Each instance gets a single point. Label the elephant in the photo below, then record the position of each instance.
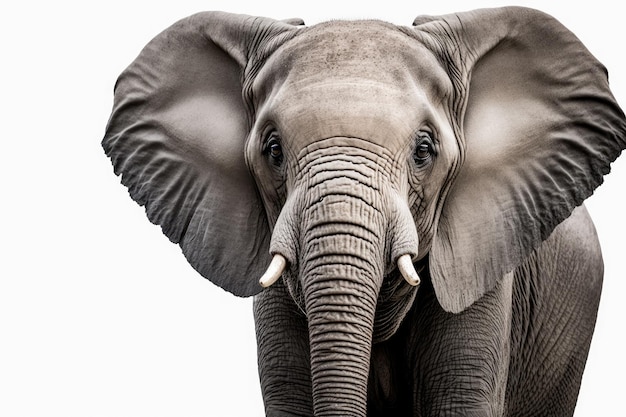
(405, 203)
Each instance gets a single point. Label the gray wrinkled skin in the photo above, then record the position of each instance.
(467, 141)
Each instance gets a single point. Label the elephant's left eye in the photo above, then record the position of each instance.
(274, 149)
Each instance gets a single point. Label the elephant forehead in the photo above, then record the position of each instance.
(366, 79)
(367, 49)
(350, 108)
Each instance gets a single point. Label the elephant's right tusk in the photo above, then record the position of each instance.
(274, 271)
(405, 265)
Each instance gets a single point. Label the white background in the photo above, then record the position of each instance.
(100, 315)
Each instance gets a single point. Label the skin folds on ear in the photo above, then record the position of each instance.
(177, 135)
(540, 130)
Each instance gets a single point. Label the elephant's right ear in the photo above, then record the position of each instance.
(537, 128)
(177, 134)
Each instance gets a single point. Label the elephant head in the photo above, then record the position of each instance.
(351, 152)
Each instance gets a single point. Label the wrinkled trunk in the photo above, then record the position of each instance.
(340, 331)
(340, 292)
(346, 224)
(341, 270)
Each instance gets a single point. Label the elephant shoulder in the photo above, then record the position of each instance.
(576, 239)
(555, 300)
(569, 260)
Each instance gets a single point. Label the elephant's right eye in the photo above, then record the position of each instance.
(274, 150)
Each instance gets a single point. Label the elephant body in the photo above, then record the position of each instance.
(416, 191)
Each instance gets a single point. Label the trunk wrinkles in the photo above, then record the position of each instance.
(341, 207)
(341, 270)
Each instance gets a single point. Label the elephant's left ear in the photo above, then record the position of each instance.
(538, 129)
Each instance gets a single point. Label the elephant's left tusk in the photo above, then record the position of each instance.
(405, 265)
(274, 271)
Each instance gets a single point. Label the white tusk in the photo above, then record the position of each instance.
(405, 265)
(274, 271)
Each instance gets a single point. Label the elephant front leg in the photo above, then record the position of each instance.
(283, 353)
(462, 360)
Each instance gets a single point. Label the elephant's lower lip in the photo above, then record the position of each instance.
(394, 301)
(394, 287)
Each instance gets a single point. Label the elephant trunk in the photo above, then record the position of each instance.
(349, 226)
(341, 273)
(340, 333)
